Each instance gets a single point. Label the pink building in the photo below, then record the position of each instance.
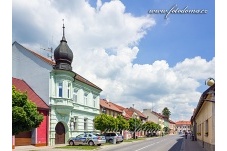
(38, 136)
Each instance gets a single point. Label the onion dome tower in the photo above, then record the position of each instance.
(63, 55)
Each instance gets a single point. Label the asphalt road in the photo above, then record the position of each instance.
(166, 143)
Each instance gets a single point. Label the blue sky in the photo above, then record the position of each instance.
(179, 36)
(135, 57)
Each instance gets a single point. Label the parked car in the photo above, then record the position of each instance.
(151, 134)
(112, 135)
(87, 139)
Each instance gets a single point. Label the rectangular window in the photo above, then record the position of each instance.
(60, 89)
(68, 90)
(85, 100)
(94, 103)
(75, 96)
(75, 123)
(206, 128)
(93, 125)
(85, 124)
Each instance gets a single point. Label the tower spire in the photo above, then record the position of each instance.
(63, 37)
(63, 55)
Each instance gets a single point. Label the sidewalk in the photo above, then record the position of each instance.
(189, 145)
(33, 148)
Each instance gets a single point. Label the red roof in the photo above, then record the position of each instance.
(109, 105)
(172, 122)
(22, 86)
(125, 110)
(158, 114)
(183, 123)
(137, 112)
(78, 77)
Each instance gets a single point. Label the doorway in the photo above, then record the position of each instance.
(59, 133)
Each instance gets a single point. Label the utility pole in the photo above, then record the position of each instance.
(135, 124)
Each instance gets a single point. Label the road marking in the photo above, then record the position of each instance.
(145, 147)
(148, 145)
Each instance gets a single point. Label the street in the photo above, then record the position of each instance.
(166, 143)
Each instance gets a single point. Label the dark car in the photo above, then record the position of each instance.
(151, 134)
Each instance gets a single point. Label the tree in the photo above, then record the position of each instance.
(166, 129)
(104, 123)
(122, 123)
(135, 125)
(166, 112)
(151, 127)
(101, 122)
(25, 115)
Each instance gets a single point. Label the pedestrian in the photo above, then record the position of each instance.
(162, 134)
(186, 134)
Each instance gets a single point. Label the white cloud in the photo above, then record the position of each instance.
(105, 41)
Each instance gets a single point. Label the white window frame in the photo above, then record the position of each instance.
(85, 124)
(94, 102)
(69, 90)
(75, 123)
(75, 95)
(85, 99)
(60, 89)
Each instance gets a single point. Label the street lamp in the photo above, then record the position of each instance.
(135, 124)
(210, 81)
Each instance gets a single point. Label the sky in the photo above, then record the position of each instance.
(151, 60)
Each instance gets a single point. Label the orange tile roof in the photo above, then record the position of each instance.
(109, 105)
(126, 116)
(22, 86)
(129, 112)
(119, 107)
(183, 123)
(78, 77)
(137, 112)
(172, 122)
(158, 114)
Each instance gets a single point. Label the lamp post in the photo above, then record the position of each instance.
(135, 125)
(210, 81)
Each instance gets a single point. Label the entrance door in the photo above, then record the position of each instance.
(59, 133)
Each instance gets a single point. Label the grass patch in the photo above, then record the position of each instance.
(132, 140)
(82, 147)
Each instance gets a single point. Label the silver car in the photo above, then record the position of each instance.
(110, 136)
(87, 139)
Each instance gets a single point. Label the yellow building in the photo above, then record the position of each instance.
(203, 120)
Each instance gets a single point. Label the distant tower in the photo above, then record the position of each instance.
(63, 55)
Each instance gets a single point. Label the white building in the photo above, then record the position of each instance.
(73, 100)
